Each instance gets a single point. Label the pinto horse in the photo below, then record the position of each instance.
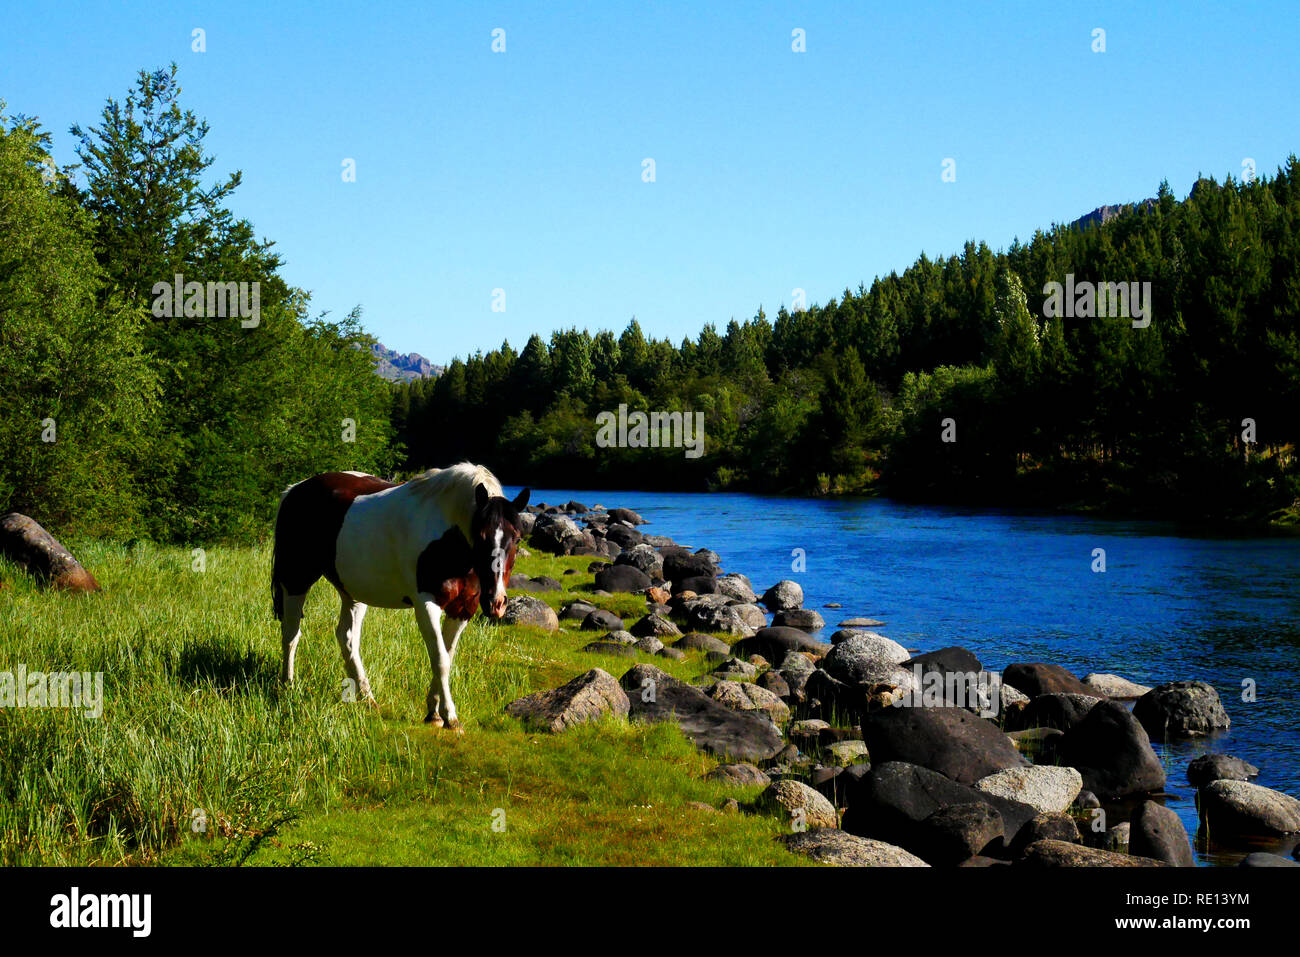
(444, 541)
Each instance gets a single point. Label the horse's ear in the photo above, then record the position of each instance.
(520, 501)
(480, 496)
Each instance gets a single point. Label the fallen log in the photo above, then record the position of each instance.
(24, 541)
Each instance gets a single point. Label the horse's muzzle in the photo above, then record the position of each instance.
(497, 607)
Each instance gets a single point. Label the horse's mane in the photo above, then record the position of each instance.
(453, 488)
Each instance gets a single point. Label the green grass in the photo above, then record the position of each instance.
(196, 730)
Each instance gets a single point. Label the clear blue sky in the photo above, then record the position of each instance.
(774, 169)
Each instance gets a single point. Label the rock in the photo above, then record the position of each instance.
(1264, 859)
(946, 661)
(622, 637)
(680, 564)
(623, 536)
(808, 726)
(559, 535)
(796, 663)
(1155, 831)
(831, 846)
(585, 698)
(737, 586)
(24, 542)
(1087, 800)
(844, 753)
(771, 680)
(958, 831)
(752, 615)
(1035, 678)
(1239, 808)
(718, 618)
(650, 645)
(952, 741)
(1047, 826)
(1113, 686)
(673, 653)
(643, 557)
(654, 626)
(578, 610)
(868, 659)
(1219, 767)
(773, 643)
(622, 578)
(860, 622)
(979, 860)
(657, 696)
(602, 620)
(805, 619)
(1064, 854)
(1045, 788)
(527, 610)
(1035, 741)
(1181, 709)
(700, 585)
(742, 774)
(1059, 711)
(1112, 752)
(658, 596)
(783, 596)
(735, 668)
(893, 799)
(625, 515)
(614, 648)
(698, 642)
(802, 806)
(743, 696)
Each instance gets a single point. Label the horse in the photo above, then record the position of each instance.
(444, 541)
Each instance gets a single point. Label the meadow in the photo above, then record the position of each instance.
(201, 757)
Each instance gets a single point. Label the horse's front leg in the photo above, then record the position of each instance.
(441, 710)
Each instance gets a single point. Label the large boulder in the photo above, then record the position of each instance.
(622, 578)
(747, 696)
(1113, 686)
(1037, 677)
(783, 596)
(1112, 752)
(1059, 711)
(737, 586)
(25, 542)
(805, 619)
(653, 626)
(585, 698)
(644, 557)
(1181, 709)
(951, 741)
(1219, 767)
(601, 620)
(802, 806)
(865, 659)
(656, 696)
(893, 799)
(773, 643)
(527, 610)
(623, 536)
(960, 831)
(722, 619)
(698, 642)
(559, 535)
(680, 564)
(1043, 787)
(625, 515)
(1155, 831)
(1239, 808)
(841, 849)
(741, 774)
(1065, 854)
(946, 661)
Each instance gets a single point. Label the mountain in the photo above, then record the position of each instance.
(1104, 214)
(399, 367)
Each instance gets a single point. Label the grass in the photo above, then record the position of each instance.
(201, 758)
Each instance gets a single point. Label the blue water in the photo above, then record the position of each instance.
(1172, 603)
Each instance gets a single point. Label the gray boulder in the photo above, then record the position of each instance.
(1181, 709)
(527, 610)
(586, 698)
(783, 596)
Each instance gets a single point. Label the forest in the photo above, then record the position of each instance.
(965, 379)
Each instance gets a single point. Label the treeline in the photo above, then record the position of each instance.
(123, 415)
(947, 382)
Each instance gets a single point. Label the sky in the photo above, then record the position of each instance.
(774, 170)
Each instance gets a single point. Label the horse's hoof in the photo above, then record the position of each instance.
(370, 702)
(433, 719)
(455, 725)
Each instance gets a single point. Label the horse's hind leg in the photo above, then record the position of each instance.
(290, 630)
(348, 633)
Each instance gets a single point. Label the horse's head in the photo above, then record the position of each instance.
(495, 533)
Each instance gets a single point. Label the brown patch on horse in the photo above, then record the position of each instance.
(307, 530)
(445, 570)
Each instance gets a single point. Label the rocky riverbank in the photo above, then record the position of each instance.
(876, 754)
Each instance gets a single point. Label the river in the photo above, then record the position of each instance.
(1173, 603)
